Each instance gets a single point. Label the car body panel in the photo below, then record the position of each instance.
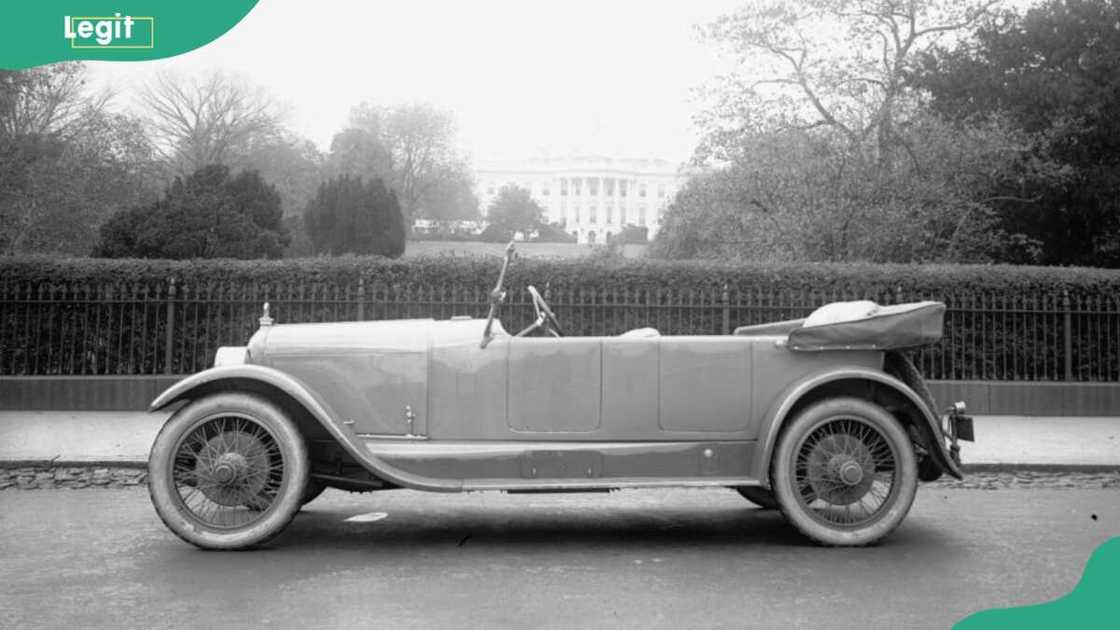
(269, 380)
(782, 404)
(469, 386)
(631, 383)
(371, 374)
(781, 370)
(705, 384)
(532, 464)
(555, 385)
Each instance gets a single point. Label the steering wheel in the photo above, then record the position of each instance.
(544, 314)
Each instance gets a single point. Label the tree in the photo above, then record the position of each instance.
(834, 64)
(513, 210)
(209, 214)
(804, 197)
(451, 196)
(212, 120)
(816, 148)
(635, 234)
(554, 233)
(412, 148)
(359, 152)
(1053, 72)
(293, 164)
(352, 216)
(49, 100)
(66, 161)
(217, 119)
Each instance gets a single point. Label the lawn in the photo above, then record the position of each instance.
(533, 250)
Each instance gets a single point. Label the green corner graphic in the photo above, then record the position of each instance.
(116, 30)
(1093, 603)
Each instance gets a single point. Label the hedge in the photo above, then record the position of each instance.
(602, 271)
(97, 316)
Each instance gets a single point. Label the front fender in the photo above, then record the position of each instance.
(229, 377)
(779, 411)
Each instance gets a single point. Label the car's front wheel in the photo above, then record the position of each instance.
(844, 472)
(228, 471)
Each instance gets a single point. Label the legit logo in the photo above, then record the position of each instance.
(110, 32)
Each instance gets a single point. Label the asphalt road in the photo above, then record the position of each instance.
(635, 559)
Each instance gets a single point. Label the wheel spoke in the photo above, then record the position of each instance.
(828, 488)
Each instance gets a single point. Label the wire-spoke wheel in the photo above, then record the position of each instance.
(853, 469)
(228, 471)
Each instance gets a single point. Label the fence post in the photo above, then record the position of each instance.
(725, 300)
(1067, 330)
(170, 331)
(361, 299)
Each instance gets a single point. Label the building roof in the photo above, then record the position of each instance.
(581, 163)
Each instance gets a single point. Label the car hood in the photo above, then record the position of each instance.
(402, 335)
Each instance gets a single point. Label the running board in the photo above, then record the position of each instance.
(568, 466)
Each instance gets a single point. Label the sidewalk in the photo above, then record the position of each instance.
(1060, 443)
(124, 438)
(78, 437)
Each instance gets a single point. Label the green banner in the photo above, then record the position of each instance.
(45, 31)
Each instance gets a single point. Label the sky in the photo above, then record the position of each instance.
(524, 78)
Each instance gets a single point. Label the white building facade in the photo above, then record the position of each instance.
(592, 198)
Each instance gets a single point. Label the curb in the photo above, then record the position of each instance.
(1000, 467)
(52, 477)
(70, 463)
(1041, 468)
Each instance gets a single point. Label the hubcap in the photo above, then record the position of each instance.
(850, 472)
(230, 469)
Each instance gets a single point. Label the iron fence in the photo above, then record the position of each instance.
(174, 327)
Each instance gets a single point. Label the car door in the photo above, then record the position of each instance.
(555, 385)
(705, 384)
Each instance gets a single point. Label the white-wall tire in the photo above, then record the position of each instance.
(840, 453)
(228, 471)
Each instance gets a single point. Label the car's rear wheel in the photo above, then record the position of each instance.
(759, 496)
(228, 471)
(844, 472)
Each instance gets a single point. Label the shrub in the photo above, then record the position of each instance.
(349, 216)
(632, 234)
(495, 234)
(551, 233)
(210, 214)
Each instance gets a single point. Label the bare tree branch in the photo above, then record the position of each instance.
(210, 121)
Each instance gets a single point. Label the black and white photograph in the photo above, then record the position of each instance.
(531, 314)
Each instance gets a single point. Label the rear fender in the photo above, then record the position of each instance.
(786, 405)
(274, 383)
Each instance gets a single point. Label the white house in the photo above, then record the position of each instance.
(592, 197)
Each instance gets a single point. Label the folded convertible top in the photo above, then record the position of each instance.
(893, 327)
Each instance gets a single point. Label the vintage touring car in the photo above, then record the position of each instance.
(824, 418)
